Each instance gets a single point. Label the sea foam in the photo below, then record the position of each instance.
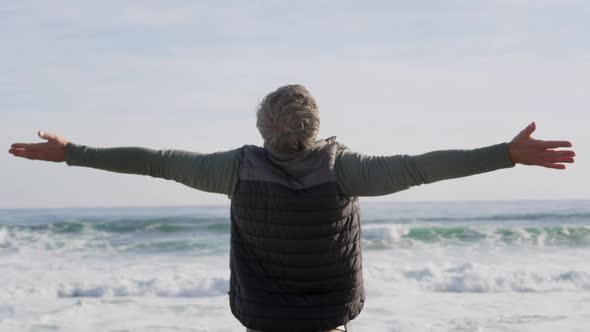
(479, 278)
(150, 287)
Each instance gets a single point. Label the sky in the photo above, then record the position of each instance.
(390, 77)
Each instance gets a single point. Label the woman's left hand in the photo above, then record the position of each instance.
(529, 151)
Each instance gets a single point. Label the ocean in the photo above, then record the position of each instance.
(428, 266)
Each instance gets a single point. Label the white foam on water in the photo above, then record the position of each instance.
(77, 282)
(477, 278)
(171, 287)
(3, 237)
(384, 235)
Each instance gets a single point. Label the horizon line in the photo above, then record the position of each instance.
(228, 203)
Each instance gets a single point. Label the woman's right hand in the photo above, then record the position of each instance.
(52, 150)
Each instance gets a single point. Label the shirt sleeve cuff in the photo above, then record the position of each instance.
(499, 156)
(73, 154)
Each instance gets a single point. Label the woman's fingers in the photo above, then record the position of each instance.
(554, 159)
(47, 155)
(564, 153)
(23, 145)
(568, 160)
(555, 144)
(33, 155)
(47, 136)
(52, 138)
(551, 154)
(33, 146)
(527, 131)
(553, 165)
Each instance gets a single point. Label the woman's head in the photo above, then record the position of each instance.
(288, 119)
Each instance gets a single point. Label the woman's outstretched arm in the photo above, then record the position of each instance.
(362, 175)
(213, 172)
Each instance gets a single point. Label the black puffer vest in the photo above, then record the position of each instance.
(295, 255)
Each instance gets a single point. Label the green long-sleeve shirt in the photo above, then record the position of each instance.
(357, 174)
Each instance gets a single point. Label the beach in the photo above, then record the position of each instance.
(428, 266)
